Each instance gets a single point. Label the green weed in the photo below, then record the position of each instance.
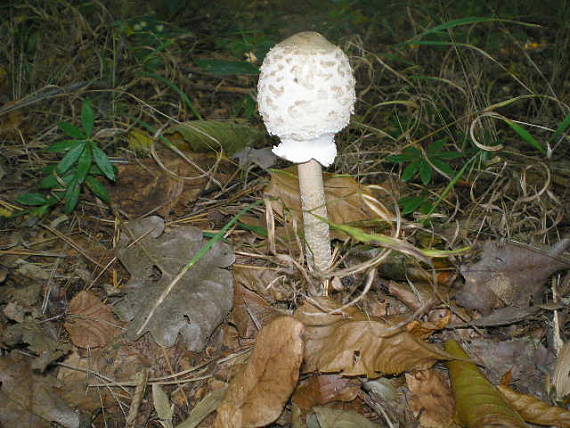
(83, 162)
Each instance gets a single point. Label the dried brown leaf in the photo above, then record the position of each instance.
(431, 399)
(346, 198)
(424, 329)
(90, 323)
(323, 389)
(359, 346)
(29, 399)
(509, 275)
(534, 410)
(251, 312)
(561, 375)
(257, 395)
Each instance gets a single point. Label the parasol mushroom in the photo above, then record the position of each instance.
(305, 96)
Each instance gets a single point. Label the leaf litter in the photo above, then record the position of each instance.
(238, 344)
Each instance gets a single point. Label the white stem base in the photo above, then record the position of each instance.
(317, 235)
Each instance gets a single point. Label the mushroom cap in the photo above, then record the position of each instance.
(305, 96)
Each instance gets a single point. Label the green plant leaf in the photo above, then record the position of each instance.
(426, 172)
(221, 67)
(63, 146)
(72, 196)
(410, 171)
(97, 188)
(525, 135)
(561, 128)
(447, 155)
(103, 162)
(444, 166)
(436, 147)
(70, 158)
(83, 164)
(87, 117)
(411, 204)
(33, 199)
(72, 130)
(51, 181)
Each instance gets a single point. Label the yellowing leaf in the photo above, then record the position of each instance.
(534, 410)
(139, 140)
(257, 395)
(478, 402)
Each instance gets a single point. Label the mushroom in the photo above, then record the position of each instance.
(305, 96)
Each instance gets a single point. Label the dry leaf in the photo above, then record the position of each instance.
(29, 399)
(195, 305)
(536, 411)
(89, 322)
(147, 187)
(335, 418)
(359, 346)
(424, 329)
(257, 395)
(561, 375)
(266, 282)
(509, 275)
(431, 399)
(346, 198)
(323, 389)
(478, 402)
(251, 312)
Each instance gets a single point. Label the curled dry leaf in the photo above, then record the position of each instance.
(477, 401)
(431, 399)
(89, 322)
(322, 389)
(423, 330)
(257, 395)
(356, 345)
(536, 411)
(346, 198)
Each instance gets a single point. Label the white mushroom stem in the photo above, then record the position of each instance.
(313, 202)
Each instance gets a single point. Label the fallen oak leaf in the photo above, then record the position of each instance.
(257, 395)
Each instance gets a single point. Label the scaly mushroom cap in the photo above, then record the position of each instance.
(305, 96)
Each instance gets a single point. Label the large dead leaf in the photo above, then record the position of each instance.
(509, 275)
(149, 187)
(257, 395)
(346, 198)
(356, 345)
(89, 322)
(478, 402)
(193, 306)
(431, 399)
(536, 411)
(29, 399)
